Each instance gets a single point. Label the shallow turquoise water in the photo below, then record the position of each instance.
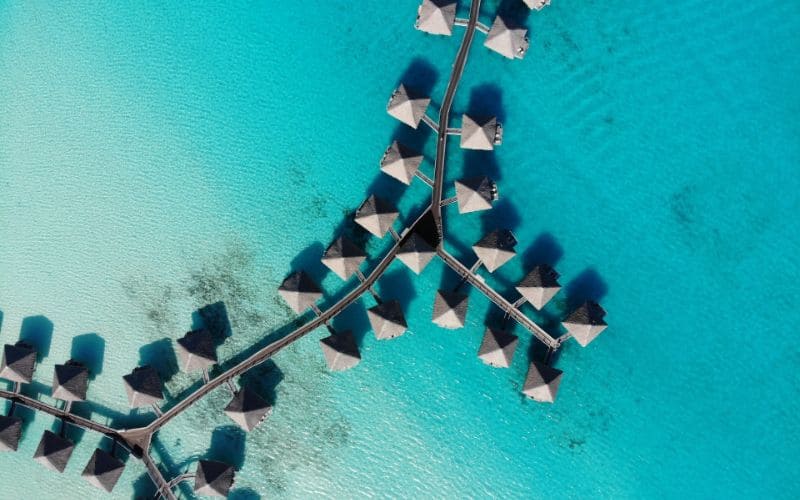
(154, 159)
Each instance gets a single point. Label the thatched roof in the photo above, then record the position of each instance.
(536, 4)
(401, 162)
(10, 433)
(415, 253)
(376, 215)
(408, 105)
(103, 470)
(299, 291)
(214, 479)
(340, 351)
(343, 257)
(507, 38)
(450, 309)
(54, 451)
(436, 17)
(541, 383)
(143, 386)
(70, 381)
(18, 363)
(495, 249)
(387, 320)
(196, 350)
(475, 193)
(247, 409)
(497, 348)
(586, 322)
(539, 285)
(479, 132)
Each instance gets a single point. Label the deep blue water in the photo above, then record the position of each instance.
(156, 158)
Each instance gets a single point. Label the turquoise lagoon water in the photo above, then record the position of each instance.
(158, 157)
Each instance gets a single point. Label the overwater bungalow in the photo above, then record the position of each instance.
(401, 162)
(450, 309)
(299, 291)
(416, 253)
(340, 351)
(586, 322)
(10, 433)
(343, 257)
(495, 249)
(213, 479)
(539, 285)
(475, 194)
(70, 381)
(480, 132)
(536, 4)
(497, 348)
(143, 386)
(248, 409)
(436, 17)
(541, 383)
(387, 320)
(376, 215)
(54, 451)
(407, 105)
(507, 38)
(103, 470)
(18, 363)
(196, 351)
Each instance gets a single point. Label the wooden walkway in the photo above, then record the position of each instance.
(444, 114)
(139, 440)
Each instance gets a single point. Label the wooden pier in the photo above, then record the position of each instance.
(139, 440)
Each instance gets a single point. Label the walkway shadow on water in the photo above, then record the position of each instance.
(38, 332)
(89, 349)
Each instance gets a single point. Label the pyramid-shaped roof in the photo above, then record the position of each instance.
(54, 451)
(196, 350)
(247, 409)
(478, 132)
(401, 162)
(415, 253)
(214, 479)
(586, 322)
(475, 193)
(407, 105)
(497, 348)
(343, 257)
(507, 38)
(539, 285)
(536, 4)
(340, 351)
(103, 470)
(495, 249)
(387, 320)
(18, 363)
(10, 433)
(376, 215)
(541, 383)
(299, 291)
(436, 16)
(143, 386)
(70, 381)
(450, 309)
